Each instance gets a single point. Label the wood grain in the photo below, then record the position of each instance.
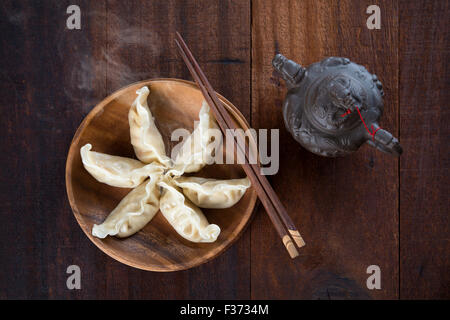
(59, 76)
(39, 57)
(52, 77)
(424, 168)
(326, 197)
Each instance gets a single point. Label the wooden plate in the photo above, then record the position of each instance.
(157, 247)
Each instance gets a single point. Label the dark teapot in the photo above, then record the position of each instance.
(333, 106)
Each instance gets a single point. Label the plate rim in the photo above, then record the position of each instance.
(239, 117)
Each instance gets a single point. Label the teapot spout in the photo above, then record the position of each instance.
(384, 141)
(290, 71)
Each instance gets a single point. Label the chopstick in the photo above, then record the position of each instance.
(266, 194)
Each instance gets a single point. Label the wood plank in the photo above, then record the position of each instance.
(424, 168)
(53, 78)
(345, 208)
(45, 99)
(207, 28)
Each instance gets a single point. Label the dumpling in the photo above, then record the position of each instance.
(116, 171)
(133, 212)
(194, 154)
(211, 193)
(187, 219)
(147, 142)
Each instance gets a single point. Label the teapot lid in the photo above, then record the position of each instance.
(334, 88)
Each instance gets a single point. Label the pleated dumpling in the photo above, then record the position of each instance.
(116, 171)
(194, 154)
(133, 212)
(147, 142)
(212, 193)
(187, 219)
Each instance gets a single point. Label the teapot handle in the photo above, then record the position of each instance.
(384, 141)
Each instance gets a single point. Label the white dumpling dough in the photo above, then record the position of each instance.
(147, 142)
(132, 213)
(194, 154)
(187, 219)
(116, 171)
(212, 193)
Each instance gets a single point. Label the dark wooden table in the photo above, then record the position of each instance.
(365, 209)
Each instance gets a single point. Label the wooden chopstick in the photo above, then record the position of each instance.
(265, 183)
(265, 192)
(270, 209)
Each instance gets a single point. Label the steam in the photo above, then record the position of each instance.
(92, 72)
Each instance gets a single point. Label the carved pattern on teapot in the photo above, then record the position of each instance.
(320, 106)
